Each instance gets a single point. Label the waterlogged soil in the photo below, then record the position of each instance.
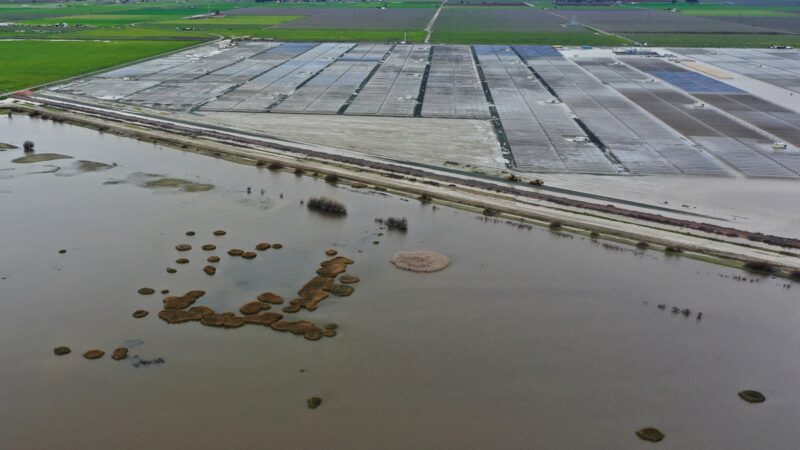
(176, 183)
(39, 157)
(92, 166)
(529, 339)
(161, 182)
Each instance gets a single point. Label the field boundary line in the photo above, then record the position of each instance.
(432, 23)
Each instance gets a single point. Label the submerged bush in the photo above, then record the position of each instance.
(555, 225)
(275, 166)
(795, 275)
(642, 245)
(394, 223)
(331, 178)
(673, 249)
(28, 146)
(328, 205)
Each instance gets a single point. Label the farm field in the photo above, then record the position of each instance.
(655, 21)
(138, 33)
(97, 20)
(583, 37)
(789, 24)
(468, 25)
(722, 10)
(29, 63)
(303, 35)
(179, 9)
(232, 20)
(715, 40)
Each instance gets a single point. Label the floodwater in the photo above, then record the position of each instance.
(529, 340)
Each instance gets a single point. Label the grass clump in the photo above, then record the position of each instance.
(331, 178)
(327, 205)
(674, 249)
(642, 245)
(555, 225)
(275, 166)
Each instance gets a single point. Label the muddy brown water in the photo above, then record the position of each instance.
(529, 340)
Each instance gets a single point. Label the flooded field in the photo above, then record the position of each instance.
(530, 338)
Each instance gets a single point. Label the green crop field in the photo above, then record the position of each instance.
(29, 63)
(137, 33)
(716, 40)
(96, 20)
(542, 38)
(231, 20)
(304, 35)
(721, 9)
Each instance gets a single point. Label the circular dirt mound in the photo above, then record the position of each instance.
(420, 261)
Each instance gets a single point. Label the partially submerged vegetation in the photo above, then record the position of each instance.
(92, 166)
(179, 184)
(394, 223)
(41, 157)
(327, 205)
(759, 267)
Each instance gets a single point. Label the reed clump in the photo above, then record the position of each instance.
(327, 205)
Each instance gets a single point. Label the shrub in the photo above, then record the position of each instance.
(673, 249)
(642, 245)
(261, 163)
(394, 223)
(328, 205)
(425, 198)
(490, 212)
(555, 225)
(28, 146)
(795, 275)
(275, 166)
(331, 178)
(298, 171)
(759, 267)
